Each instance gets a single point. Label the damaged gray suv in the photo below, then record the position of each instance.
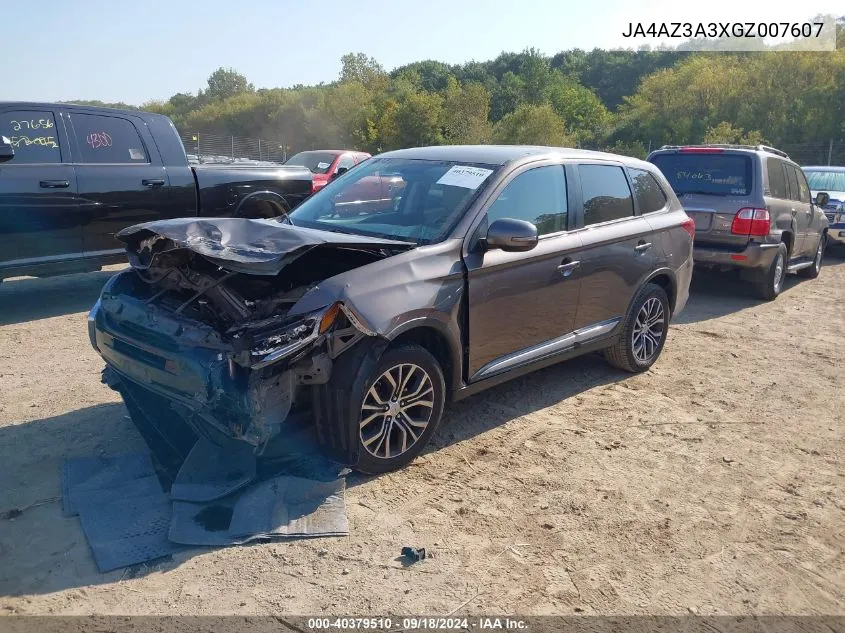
(419, 276)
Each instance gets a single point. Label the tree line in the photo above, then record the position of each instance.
(613, 100)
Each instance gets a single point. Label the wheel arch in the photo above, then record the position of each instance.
(434, 336)
(264, 198)
(666, 279)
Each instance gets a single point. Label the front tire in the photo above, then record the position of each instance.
(643, 333)
(399, 409)
(771, 283)
(813, 271)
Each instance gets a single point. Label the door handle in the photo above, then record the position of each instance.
(567, 267)
(642, 247)
(153, 182)
(54, 184)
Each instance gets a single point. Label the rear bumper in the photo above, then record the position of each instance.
(754, 255)
(683, 277)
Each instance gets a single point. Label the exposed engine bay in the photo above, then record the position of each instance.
(209, 325)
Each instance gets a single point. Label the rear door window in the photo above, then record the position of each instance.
(606, 193)
(33, 135)
(803, 187)
(792, 179)
(647, 191)
(708, 173)
(107, 139)
(777, 178)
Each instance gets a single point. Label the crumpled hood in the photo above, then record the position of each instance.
(257, 247)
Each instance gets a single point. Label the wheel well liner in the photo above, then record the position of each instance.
(665, 280)
(437, 343)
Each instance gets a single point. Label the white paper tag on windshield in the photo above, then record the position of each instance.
(322, 165)
(463, 176)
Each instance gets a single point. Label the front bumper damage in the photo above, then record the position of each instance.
(220, 388)
(222, 346)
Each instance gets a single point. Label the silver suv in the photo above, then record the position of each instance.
(752, 208)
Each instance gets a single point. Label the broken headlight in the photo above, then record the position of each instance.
(282, 343)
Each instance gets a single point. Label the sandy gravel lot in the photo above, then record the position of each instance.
(712, 483)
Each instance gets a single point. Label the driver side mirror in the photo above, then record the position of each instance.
(822, 198)
(511, 235)
(7, 151)
(340, 171)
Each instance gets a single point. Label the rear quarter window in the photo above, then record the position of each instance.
(647, 191)
(712, 174)
(777, 178)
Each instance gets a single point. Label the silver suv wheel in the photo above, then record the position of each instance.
(647, 332)
(396, 411)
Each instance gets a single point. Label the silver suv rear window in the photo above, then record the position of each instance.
(714, 174)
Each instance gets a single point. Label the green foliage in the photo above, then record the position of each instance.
(532, 125)
(226, 82)
(622, 101)
(724, 132)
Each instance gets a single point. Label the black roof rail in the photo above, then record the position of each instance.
(759, 148)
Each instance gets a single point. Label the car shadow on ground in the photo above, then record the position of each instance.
(41, 551)
(714, 295)
(30, 299)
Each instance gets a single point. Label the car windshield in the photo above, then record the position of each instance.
(402, 199)
(826, 180)
(713, 174)
(316, 162)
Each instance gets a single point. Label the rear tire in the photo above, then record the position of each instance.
(643, 333)
(770, 285)
(813, 271)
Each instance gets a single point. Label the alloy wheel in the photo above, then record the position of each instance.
(648, 330)
(396, 410)
(778, 280)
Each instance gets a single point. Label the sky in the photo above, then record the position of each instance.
(137, 50)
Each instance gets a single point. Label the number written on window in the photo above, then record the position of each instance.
(107, 139)
(33, 136)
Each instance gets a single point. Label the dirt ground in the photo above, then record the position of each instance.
(712, 484)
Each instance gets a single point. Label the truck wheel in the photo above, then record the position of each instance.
(643, 332)
(813, 271)
(769, 286)
(399, 409)
(262, 210)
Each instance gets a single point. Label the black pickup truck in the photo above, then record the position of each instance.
(73, 176)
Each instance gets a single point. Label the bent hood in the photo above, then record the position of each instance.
(256, 247)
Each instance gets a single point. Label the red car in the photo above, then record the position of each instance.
(324, 164)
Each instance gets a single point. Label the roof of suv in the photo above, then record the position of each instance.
(502, 154)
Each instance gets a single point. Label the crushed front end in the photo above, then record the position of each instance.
(223, 350)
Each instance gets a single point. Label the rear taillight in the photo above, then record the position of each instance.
(752, 222)
(688, 225)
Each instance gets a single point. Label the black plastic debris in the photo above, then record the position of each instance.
(413, 554)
